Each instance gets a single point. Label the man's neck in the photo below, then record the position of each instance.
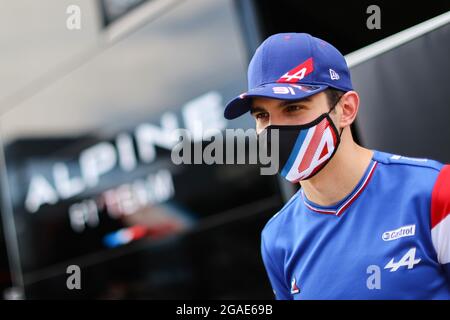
(340, 175)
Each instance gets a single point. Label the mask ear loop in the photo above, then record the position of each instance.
(332, 108)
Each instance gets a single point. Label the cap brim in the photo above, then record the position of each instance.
(283, 91)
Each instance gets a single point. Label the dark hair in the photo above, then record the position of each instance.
(333, 96)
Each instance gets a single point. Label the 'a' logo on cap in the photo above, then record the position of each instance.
(298, 73)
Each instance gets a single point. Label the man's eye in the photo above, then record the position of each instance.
(261, 115)
(294, 107)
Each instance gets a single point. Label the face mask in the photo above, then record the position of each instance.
(304, 149)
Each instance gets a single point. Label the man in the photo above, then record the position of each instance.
(365, 224)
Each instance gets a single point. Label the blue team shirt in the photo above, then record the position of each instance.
(388, 239)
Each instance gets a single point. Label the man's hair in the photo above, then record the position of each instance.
(333, 96)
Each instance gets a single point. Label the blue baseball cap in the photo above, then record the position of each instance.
(291, 66)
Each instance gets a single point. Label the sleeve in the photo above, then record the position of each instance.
(275, 275)
(440, 218)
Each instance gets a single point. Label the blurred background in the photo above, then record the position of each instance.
(86, 116)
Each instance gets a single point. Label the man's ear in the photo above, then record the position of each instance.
(349, 103)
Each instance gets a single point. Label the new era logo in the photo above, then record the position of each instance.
(334, 75)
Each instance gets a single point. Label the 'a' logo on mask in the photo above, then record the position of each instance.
(313, 148)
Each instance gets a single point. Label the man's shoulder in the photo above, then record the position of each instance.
(417, 176)
(282, 216)
(415, 164)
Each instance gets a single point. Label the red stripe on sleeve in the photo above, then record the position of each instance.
(440, 197)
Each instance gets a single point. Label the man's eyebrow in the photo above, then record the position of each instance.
(256, 109)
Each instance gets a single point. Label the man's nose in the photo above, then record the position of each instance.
(275, 119)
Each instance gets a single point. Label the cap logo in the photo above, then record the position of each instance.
(334, 75)
(298, 73)
(283, 90)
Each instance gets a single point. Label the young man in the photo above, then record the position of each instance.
(365, 224)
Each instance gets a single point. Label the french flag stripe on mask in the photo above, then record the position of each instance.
(312, 147)
(296, 151)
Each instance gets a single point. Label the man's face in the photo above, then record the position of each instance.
(267, 111)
